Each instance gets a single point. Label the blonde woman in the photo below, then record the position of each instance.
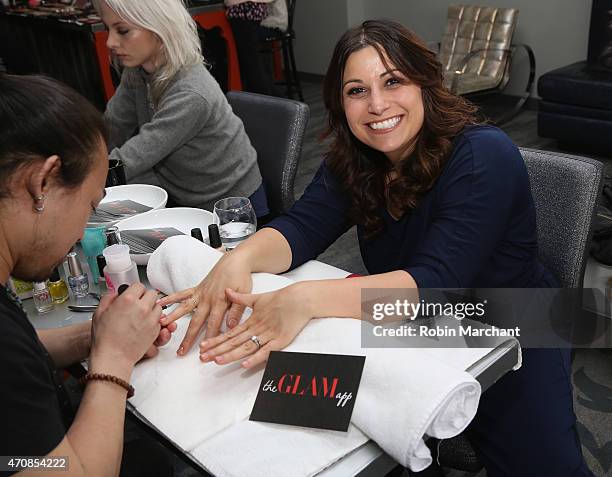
(169, 121)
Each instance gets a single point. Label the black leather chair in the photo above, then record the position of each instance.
(576, 105)
(276, 129)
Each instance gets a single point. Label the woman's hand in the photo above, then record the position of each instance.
(123, 330)
(208, 300)
(276, 320)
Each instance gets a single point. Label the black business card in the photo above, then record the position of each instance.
(309, 390)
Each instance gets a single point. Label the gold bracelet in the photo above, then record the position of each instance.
(109, 378)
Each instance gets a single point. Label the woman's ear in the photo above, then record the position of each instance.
(41, 176)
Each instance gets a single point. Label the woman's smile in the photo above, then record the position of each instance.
(385, 126)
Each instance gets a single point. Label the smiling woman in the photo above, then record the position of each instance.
(439, 201)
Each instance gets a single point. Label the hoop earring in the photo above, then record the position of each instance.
(39, 208)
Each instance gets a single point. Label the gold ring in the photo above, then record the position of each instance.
(195, 301)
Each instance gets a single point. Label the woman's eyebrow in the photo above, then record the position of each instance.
(388, 72)
(351, 81)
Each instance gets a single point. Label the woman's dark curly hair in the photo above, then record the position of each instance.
(361, 170)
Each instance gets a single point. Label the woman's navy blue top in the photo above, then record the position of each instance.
(476, 227)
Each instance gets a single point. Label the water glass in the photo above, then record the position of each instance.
(236, 219)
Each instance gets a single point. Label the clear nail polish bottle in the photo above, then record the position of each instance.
(78, 281)
(42, 298)
(113, 237)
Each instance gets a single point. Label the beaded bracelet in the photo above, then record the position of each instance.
(110, 378)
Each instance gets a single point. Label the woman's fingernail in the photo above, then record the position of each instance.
(245, 364)
(205, 357)
(203, 344)
(181, 350)
(219, 360)
(231, 323)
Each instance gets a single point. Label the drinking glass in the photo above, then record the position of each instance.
(236, 220)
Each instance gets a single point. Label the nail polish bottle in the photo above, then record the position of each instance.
(58, 288)
(120, 269)
(101, 279)
(113, 237)
(77, 279)
(214, 238)
(42, 298)
(197, 234)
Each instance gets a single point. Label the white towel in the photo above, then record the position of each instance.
(250, 448)
(405, 393)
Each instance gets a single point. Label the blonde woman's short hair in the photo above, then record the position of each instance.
(170, 21)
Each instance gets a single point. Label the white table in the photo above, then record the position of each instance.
(369, 459)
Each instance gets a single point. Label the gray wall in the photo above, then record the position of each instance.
(357, 11)
(557, 30)
(318, 24)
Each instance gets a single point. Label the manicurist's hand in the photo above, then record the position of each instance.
(165, 333)
(276, 320)
(208, 301)
(124, 328)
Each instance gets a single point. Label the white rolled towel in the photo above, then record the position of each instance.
(405, 394)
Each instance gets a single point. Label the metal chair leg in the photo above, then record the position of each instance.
(527, 93)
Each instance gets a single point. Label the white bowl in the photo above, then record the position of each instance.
(181, 218)
(145, 194)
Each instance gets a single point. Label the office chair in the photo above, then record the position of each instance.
(565, 191)
(276, 129)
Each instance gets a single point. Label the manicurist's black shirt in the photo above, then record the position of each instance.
(34, 407)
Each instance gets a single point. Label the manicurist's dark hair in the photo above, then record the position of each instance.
(41, 117)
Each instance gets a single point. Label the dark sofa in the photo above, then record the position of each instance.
(576, 104)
